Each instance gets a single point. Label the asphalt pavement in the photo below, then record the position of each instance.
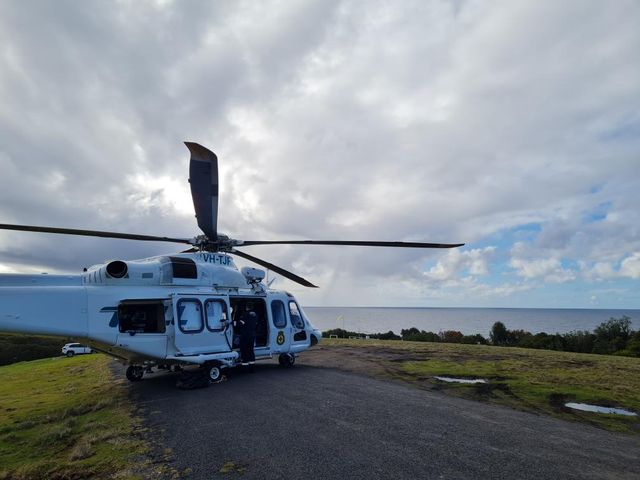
(309, 422)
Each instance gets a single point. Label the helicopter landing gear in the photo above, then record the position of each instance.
(134, 373)
(214, 372)
(286, 359)
(202, 377)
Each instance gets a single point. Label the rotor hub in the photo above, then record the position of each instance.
(223, 243)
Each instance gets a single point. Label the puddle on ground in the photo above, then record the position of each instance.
(460, 380)
(585, 407)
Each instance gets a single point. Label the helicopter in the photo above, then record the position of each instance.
(178, 311)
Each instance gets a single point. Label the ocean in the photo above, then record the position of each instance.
(467, 320)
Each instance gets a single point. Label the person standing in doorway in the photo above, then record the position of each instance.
(248, 320)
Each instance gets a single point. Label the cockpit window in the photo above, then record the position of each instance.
(277, 312)
(294, 313)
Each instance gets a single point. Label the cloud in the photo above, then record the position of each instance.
(549, 269)
(434, 121)
(628, 267)
(474, 262)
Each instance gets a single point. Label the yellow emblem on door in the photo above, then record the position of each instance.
(280, 338)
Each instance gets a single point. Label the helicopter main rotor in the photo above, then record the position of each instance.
(203, 180)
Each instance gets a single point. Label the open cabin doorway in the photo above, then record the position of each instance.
(258, 305)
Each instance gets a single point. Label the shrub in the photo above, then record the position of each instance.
(612, 335)
(451, 336)
(578, 341)
(474, 339)
(386, 336)
(409, 331)
(633, 346)
(341, 333)
(542, 341)
(498, 334)
(420, 336)
(516, 337)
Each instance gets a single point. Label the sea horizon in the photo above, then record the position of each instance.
(480, 308)
(468, 320)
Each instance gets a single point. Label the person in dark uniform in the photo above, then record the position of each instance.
(248, 322)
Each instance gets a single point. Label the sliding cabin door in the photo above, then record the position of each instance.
(201, 324)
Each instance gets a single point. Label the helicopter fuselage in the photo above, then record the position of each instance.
(178, 309)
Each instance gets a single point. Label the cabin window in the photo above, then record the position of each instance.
(183, 267)
(216, 313)
(294, 313)
(277, 312)
(142, 316)
(190, 316)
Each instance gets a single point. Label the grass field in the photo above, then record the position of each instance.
(65, 418)
(539, 381)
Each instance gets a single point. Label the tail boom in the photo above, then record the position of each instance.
(44, 310)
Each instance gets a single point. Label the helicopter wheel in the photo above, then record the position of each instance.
(214, 372)
(134, 373)
(286, 359)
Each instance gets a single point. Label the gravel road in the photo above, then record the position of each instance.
(311, 422)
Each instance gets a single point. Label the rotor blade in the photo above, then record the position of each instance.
(203, 178)
(356, 243)
(92, 233)
(275, 268)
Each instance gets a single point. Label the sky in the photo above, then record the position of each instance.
(511, 126)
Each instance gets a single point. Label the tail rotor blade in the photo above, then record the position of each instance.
(285, 273)
(203, 179)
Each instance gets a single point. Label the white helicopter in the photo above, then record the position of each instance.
(171, 311)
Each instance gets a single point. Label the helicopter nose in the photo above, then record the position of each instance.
(316, 336)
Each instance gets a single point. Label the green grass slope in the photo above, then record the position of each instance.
(65, 418)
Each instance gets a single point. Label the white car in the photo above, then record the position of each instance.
(71, 349)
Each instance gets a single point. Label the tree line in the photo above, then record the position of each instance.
(21, 348)
(613, 336)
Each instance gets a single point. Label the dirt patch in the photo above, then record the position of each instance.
(356, 360)
(580, 364)
(377, 362)
(410, 358)
(386, 363)
(488, 390)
